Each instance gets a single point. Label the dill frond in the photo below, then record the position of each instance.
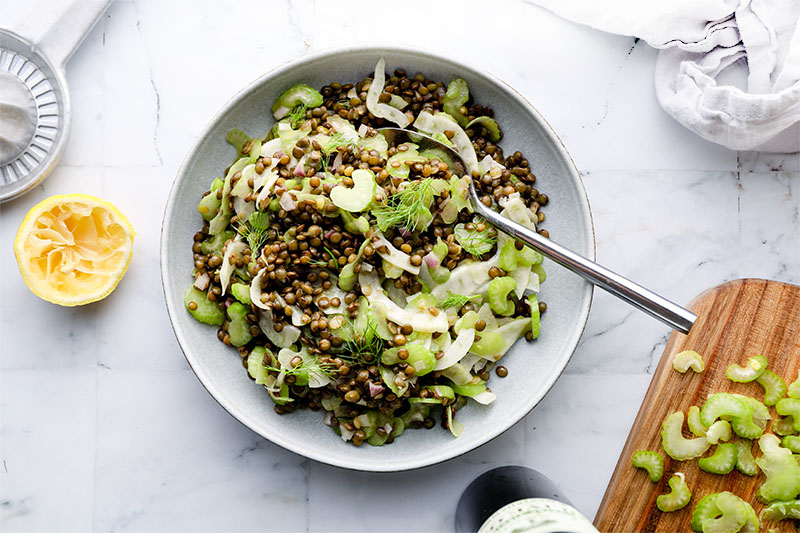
(336, 141)
(297, 115)
(409, 208)
(366, 347)
(255, 230)
(455, 300)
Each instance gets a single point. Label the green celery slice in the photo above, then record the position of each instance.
(207, 312)
(652, 462)
(706, 509)
(793, 391)
(774, 387)
(784, 426)
(790, 407)
(781, 511)
(734, 514)
(722, 404)
(456, 96)
(673, 442)
(694, 423)
(498, 291)
(791, 443)
(722, 461)
(745, 462)
(687, 359)
(753, 370)
(781, 470)
(719, 430)
(677, 498)
(534, 303)
(239, 328)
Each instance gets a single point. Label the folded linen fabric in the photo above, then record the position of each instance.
(729, 70)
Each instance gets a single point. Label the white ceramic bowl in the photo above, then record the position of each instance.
(533, 367)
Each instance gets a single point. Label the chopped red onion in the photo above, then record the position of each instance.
(375, 389)
(431, 260)
(202, 281)
(287, 201)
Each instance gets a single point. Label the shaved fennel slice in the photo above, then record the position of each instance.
(442, 122)
(395, 256)
(467, 278)
(282, 339)
(378, 109)
(485, 398)
(457, 350)
(255, 290)
(226, 270)
(522, 276)
(422, 321)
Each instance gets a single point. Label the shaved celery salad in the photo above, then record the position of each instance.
(351, 275)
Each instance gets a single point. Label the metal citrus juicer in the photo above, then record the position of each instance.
(35, 112)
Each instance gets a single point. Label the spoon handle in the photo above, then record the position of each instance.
(666, 311)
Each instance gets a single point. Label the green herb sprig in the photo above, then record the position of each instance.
(409, 208)
(255, 230)
(337, 140)
(298, 114)
(306, 367)
(366, 347)
(455, 300)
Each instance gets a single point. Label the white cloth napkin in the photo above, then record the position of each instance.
(729, 70)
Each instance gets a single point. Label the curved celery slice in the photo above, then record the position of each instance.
(673, 442)
(784, 426)
(300, 94)
(722, 404)
(722, 461)
(745, 462)
(498, 291)
(694, 423)
(706, 509)
(535, 317)
(751, 522)
(781, 469)
(456, 96)
(687, 359)
(255, 365)
(733, 514)
(753, 370)
(719, 430)
(760, 411)
(489, 124)
(774, 387)
(205, 310)
(239, 328)
(791, 443)
(652, 462)
(790, 407)
(677, 498)
(746, 426)
(781, 511)
(793, 391)
(357, 198)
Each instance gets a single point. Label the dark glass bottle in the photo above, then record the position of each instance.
(516, 498)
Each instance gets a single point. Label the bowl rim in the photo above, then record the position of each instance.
(173, 307)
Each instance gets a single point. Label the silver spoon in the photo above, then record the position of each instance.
(651, 303)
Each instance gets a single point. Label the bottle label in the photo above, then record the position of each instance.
(537, 515)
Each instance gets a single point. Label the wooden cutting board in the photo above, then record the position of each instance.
(735, 321)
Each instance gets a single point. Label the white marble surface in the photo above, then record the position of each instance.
(103, 426)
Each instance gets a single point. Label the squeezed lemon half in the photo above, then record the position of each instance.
(73, 249)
